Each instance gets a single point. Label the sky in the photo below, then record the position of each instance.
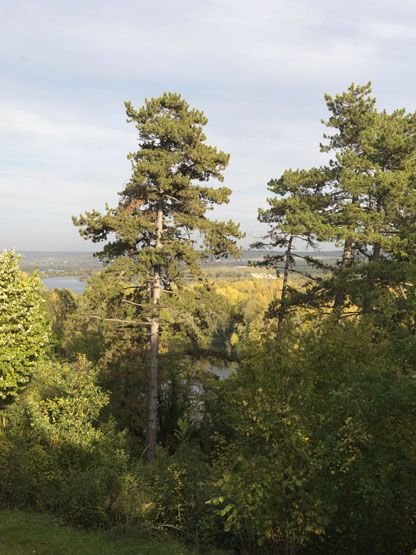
(258, 69)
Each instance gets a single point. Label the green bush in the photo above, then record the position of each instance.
(169, 497)
(24, 333)
(54, 456)
(323, 454)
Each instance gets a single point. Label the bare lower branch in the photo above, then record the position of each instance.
(119, 320)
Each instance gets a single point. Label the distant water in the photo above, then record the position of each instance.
(222, 370)
(67, 282)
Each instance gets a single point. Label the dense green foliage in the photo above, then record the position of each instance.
(363, 199)
(23, 329)
(285, 410)
(168, 174)
(324, 445)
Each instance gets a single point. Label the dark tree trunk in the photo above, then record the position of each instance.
(376, 252)
(345, 264)
(375, 256)
(283, 307)
(152, 411)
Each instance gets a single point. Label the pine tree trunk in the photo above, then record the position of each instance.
(282, 310)
(152, 414)
(345, 263)
(375, 256)
(376, 251)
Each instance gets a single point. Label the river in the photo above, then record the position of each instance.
(65, 282)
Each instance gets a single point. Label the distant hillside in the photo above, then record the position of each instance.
(60, 262)
(85, 263)
(257, 255)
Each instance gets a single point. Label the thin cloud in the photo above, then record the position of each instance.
(258, 70)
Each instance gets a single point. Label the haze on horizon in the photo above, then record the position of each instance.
(258, 71)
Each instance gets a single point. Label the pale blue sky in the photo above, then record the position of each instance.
(258, 70)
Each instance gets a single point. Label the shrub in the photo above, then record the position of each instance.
(24, 333)
(55, 456)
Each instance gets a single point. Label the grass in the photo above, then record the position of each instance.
(23, 533)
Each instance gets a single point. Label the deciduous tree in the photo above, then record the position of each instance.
(24, 332)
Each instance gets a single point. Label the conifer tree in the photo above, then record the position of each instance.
(161, 221)
(350, 114)
(361, 199)
(373, 163)
(295, 215)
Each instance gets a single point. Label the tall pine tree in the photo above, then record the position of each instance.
(161, 221)
(363, 199)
